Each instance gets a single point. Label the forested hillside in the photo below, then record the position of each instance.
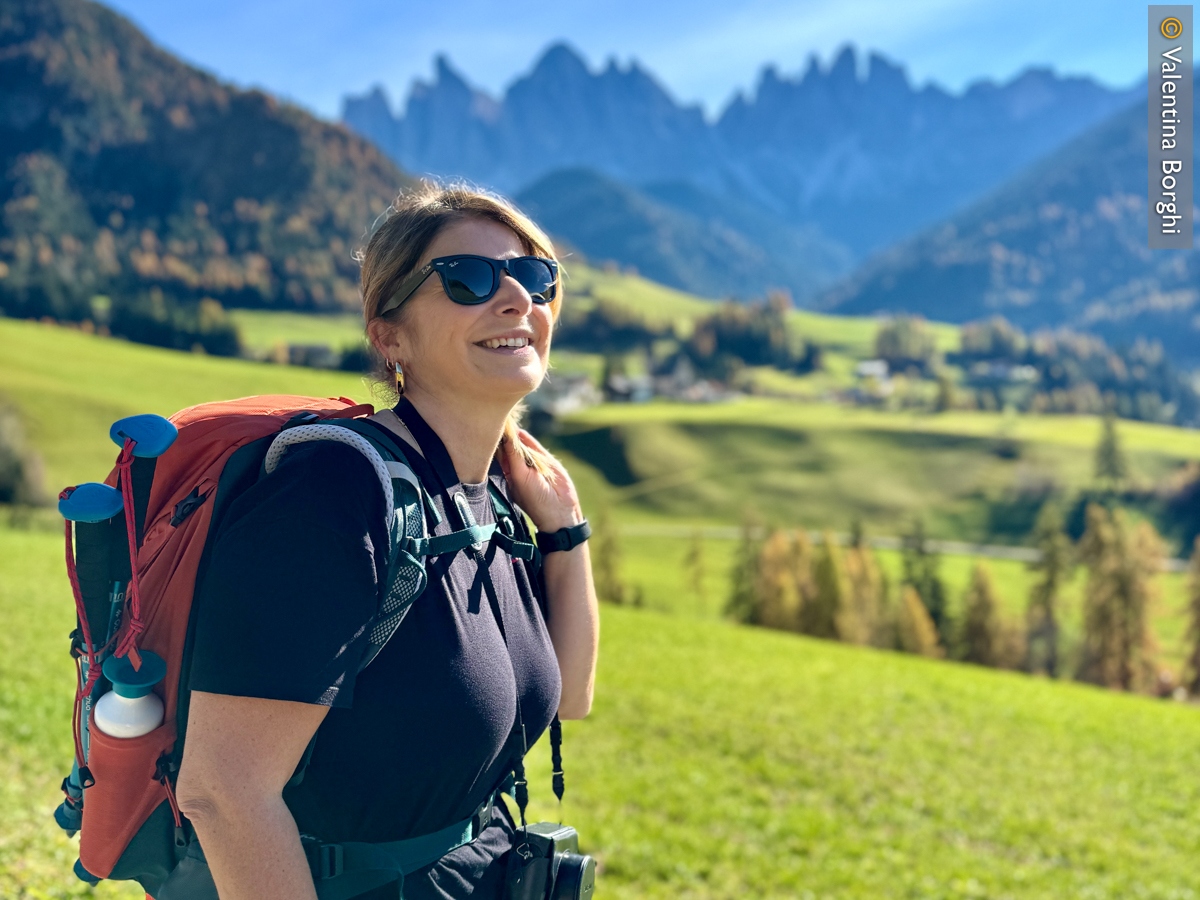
(1062, 244)
(681, 235)
(128, 174)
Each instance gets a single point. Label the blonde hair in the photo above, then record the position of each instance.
(412, 222)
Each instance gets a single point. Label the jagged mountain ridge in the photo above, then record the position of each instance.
(1064, 243)
(866, 161)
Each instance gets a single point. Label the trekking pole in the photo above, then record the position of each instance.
(88, 503)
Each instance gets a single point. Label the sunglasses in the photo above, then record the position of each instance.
(475, 279)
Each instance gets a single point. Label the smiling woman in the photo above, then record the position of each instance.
(498, 268)
(412, 752)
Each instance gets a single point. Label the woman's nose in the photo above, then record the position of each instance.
(511, 298)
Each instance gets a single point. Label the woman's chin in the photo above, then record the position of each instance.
(514, 381)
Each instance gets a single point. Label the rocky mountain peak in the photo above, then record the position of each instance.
(867, 160)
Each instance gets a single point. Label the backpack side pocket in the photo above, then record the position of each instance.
(125, 793)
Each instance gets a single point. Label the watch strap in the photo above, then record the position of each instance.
(564, 538)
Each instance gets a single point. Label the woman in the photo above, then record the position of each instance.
(425, 734)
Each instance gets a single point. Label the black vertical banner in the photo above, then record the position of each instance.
(1169, 120)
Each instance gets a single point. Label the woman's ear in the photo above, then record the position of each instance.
(383, 336)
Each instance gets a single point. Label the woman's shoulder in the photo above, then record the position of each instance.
(325, 484)
(329, 468)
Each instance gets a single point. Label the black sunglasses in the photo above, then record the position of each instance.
(475, 279)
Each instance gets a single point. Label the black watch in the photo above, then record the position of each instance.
(564, 538)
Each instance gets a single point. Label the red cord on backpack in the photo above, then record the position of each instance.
(82, 690)
(128, 643)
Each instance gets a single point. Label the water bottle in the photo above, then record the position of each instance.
(131, 708)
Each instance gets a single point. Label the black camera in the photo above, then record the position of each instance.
(546, 865)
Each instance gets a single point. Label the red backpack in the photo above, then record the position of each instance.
(137, 545)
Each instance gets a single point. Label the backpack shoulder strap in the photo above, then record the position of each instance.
(512, 532)
(404, 500)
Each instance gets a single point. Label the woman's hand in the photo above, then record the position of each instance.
(551, 502)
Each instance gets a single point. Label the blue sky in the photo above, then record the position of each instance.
(314, 51)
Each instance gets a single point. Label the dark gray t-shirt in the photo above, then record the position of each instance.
(421, 737)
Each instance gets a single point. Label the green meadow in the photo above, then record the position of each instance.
(728, 762)
(720, 761)
(263, 330)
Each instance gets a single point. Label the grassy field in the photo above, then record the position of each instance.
(720, 762)
(263, 330)
(974, 476)
(70, 387)
(726, 762)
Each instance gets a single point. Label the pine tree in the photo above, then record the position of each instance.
(606, 560)
(828, 613)
(1097, 551)
(921, 571)
(945, 394)
(742, 604)
(915, 628)
(980, 635)
(696, 569)
(1111, 465)
(1192, 672)
(1041, 615)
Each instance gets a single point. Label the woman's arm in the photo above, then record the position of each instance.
(239, 755)
(574, 625)
(574, 620)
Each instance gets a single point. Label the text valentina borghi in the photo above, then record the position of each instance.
(1167, 208)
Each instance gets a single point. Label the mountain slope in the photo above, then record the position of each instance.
(123, 170)
(1062, 244)
(681, 236)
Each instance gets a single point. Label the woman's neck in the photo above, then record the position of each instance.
(469, 431)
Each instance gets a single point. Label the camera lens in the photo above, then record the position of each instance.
(576, 877)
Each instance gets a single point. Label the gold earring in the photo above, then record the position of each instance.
(399, 377)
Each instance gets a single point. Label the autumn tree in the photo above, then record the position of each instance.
(803, 568)
(914, 627)
(864, 598)
(822, 617)
(777, 597)
(1122, 561)
(1054, 566)
(980, 630)
(868, 592)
